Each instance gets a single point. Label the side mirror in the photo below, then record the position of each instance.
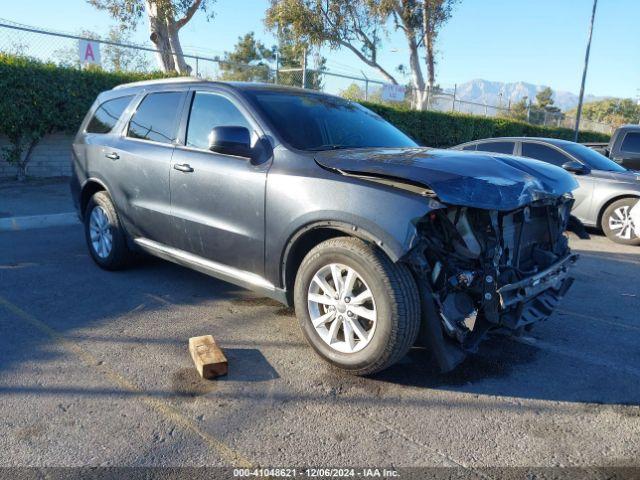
(231, 141)
(576, 167)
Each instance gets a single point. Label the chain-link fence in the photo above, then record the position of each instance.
(113, 54)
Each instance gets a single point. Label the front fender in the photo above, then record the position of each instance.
(383, 215)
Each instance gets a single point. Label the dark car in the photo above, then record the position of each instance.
(321, 204)
(623, 147)
(608, 192)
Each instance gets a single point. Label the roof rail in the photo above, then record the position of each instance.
(158, 81)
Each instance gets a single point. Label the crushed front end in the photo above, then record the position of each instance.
(487, 270)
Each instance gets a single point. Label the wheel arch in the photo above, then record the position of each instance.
(310, 235)
(90, 187)
(611, 200)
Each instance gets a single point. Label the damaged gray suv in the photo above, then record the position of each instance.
(319, 203)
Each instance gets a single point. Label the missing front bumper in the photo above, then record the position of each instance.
(555, 277)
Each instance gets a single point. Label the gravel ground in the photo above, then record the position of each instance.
(95, 371)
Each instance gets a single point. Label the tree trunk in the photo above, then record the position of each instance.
(417, 80)
(159, 35)
(419, 91)
(23, 161)
(428, 39)
(176, 48)
(431, 73)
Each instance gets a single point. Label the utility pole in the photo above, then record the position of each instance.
(584, 71)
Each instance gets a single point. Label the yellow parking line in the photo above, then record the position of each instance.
(166, 410)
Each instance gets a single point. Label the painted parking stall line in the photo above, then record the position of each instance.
(167, 411)
(12, 224)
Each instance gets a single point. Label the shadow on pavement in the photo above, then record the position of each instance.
(68, 292)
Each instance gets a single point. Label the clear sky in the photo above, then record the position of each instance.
(537, 41)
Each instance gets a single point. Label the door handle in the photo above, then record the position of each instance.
(183, 167)
(112, 155)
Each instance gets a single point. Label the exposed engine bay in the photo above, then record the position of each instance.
(490, 269)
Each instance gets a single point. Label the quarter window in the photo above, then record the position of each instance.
(210, 110)
(107, 115)
(544, 153)
(470, 147)
(496, 147)
(156, 118)
(631, 143)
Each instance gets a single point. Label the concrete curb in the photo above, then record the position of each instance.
(12, 224)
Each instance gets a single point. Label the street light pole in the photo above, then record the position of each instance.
(584, 71)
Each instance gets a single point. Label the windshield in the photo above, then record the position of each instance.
(593, 159)
(309, 121)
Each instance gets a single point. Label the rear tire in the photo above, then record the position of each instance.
(106, 239)
(616, 223)
(377, 313)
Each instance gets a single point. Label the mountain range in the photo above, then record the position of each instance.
(500, 93)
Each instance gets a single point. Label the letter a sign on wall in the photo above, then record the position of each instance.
(89, 52)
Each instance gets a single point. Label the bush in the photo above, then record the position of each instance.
(438, 129)
(39, 98)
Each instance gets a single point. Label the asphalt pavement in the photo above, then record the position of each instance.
(94, 370)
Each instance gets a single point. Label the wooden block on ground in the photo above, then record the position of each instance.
(209, 359)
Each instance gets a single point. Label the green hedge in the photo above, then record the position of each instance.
(438, 129)
(37, 98)
(60, 96)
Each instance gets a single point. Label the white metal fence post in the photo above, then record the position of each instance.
(304, 69)
(453, 103)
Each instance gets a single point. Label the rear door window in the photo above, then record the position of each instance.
(496, 147)
(631, 143)
(107, 115)
(544, 153)
(210, 110)
(156, 118)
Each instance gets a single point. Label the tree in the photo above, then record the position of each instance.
(614, 111)
(420, 21)
(435, 13)
(353, 92)
(123, 59)
(166, 18)
(292, 55)
(520, 110)
(249, 61)
(544, 98)
(352, 24)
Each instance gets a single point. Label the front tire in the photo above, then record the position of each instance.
(106, 239)
(617, 224)
(357, 309)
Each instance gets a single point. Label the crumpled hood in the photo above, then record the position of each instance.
(491, 182)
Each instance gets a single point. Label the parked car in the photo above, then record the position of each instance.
(321, 204)
(608, 192)
(623, 147)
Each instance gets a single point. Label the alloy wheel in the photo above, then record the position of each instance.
(100, 232)
(621, 223)
(342, 308)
